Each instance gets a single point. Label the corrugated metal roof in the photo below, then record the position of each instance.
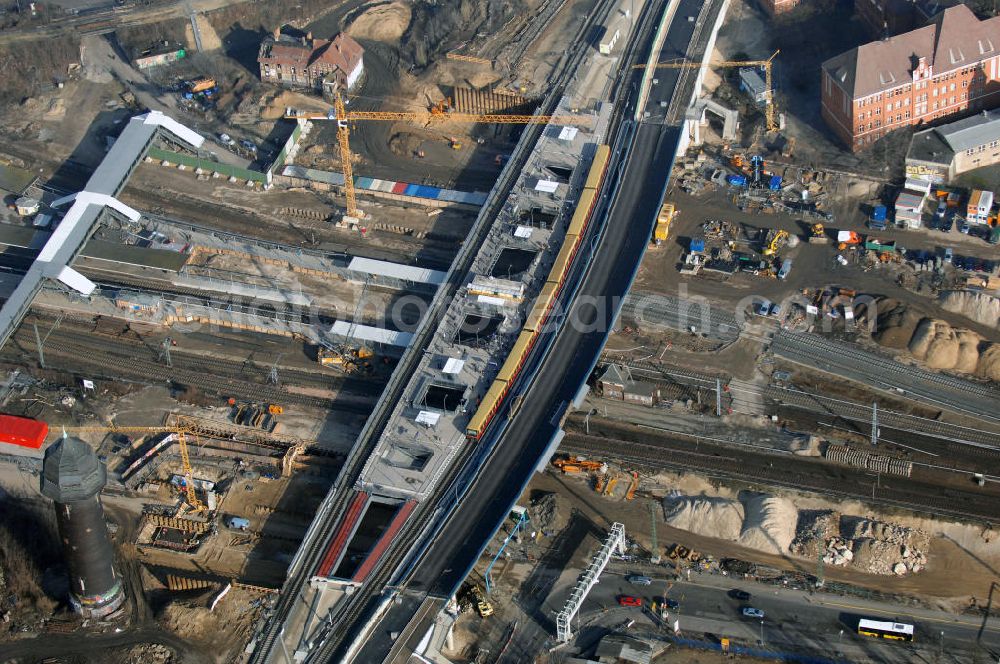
(972, 132)
(349, 330)
(409, 273)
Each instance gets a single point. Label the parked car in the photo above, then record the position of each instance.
(949, 253)
(751, 612)
(225, 139)
(639, 580)
(763, 308)
(775, 310)
(963, 227)
(741, 595)
(946, 225)
(629, 600)
(671, 604)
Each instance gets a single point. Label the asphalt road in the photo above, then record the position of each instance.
(794, 620)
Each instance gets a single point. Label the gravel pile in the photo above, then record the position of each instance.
(150, 653)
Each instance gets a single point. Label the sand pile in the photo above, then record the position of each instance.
(769, 523)
(383, 23)
(978, 306)
(989, 362)
(190, 622)
(941, 346)
(715, 517)
(895, 323)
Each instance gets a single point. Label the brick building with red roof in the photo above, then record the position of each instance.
(303, 62)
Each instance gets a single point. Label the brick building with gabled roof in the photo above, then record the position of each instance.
(304, 62)
(945, 69)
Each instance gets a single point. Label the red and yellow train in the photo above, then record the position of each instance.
(550, 291)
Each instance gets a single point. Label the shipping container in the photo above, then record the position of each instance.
(22, 431)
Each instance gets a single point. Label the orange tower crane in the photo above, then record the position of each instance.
(772, 121)
(192, 498)
(436, 114)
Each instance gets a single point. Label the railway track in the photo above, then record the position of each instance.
(340, 627)
(788, 471)
(883, 373)
(863, 414)
(681, 315)
(113, 359)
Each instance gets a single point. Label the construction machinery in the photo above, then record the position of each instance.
(774, 241)
(632, 487)
(483, 606)
(663, 221)
(437, 113)
(609, 488)
(817, 234)
(573, 464)
(346, 358)
(180, 432)
(766, 65)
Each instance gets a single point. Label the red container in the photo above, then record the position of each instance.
(22, 432)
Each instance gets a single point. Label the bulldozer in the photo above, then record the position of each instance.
(817, 234)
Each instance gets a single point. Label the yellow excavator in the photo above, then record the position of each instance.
(774, 242)
(345, 358)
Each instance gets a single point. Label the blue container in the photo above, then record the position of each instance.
(737, 180)
(878, 214)
(697, 244)
(775, 183)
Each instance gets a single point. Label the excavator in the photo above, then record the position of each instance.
(347, 359)
(774, 241)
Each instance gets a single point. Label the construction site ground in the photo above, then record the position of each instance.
(288, 215)
(936, 584)
(814, 265)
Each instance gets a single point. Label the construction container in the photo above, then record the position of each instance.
(22, 431)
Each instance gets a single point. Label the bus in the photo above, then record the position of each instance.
(885, 630)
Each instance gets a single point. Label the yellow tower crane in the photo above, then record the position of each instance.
(192, 498)
(769, 114)
(437, 114)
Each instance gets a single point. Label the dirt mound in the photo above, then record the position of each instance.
(548, 514)
(714, 517)
(895, 323)
(980, 307)
(149, 653)
(435, 27)
(769, 523)
(383, 23)
(941, 346)
(190, 622)
(989, 362)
